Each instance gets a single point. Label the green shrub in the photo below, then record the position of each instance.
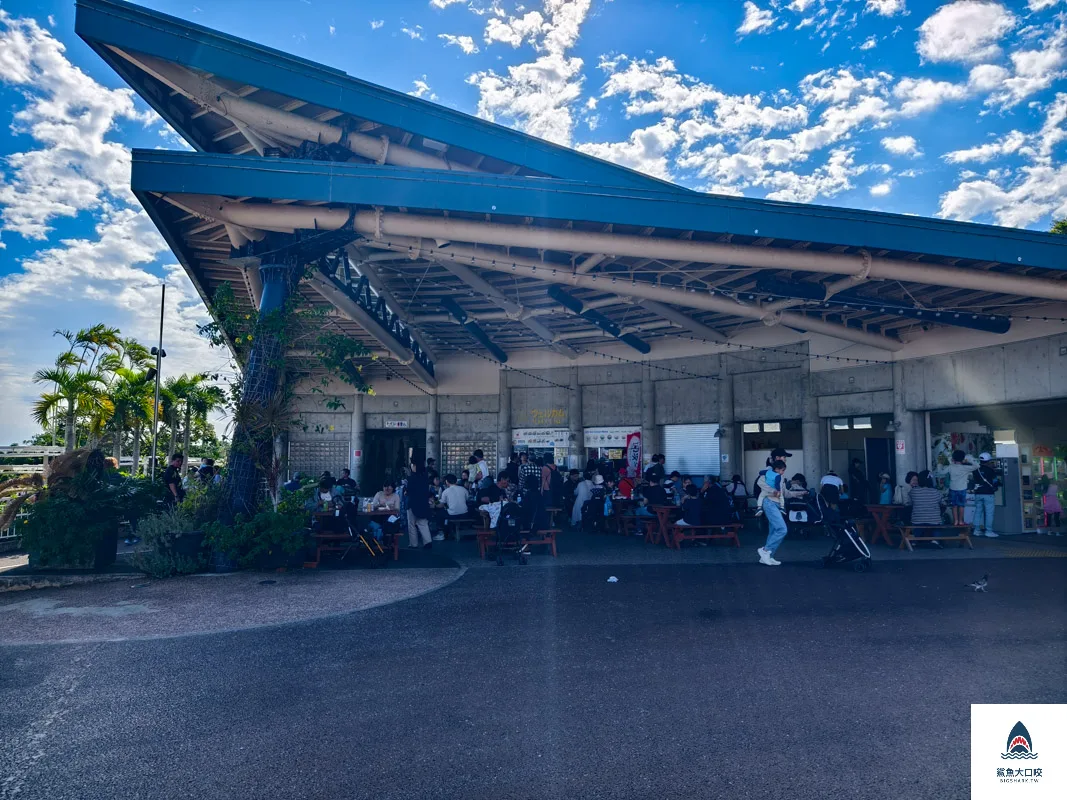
(249, 540)
(71, 519)
(158, 534)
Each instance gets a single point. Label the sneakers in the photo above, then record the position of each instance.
(524, 550)
(936, 545)
(438, 537)
(992, 535)
(765, 557)
(759, 513)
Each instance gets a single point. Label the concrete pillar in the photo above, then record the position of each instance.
(729, 442)
(503, 423)
(433, 437)
(574, 419)
(649, 434)
(813, 428)
(357, 456)
(910, 430)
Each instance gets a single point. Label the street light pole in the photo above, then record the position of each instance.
(158, 352)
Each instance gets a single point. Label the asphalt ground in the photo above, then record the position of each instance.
(679, 681)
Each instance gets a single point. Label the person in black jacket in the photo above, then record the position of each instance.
(418, 495)
(986, 481)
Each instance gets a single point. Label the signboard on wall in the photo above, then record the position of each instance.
(393, 424)
(902, 447)
(540, 437)
(608, 437)
(633, 454)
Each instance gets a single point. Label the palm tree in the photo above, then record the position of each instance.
(132, 393)
(200, 401)
(173, 396)
(80, 393)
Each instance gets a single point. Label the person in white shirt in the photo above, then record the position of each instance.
(480, 471)
(831, 479)
(959, 472)
(455, 500)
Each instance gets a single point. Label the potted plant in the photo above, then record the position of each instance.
(74, 521)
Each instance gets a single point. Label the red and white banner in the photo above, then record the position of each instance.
(633, 454)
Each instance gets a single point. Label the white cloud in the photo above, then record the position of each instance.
(646, 150)
(333, 30)
(1038, 191)
(869, 43)
(538, 96)
(1041, 5)
(514, 30)
(901, 145)
(1005, 145)
(464, 43)
(1052, 131)
(886, 8)
(376, 23)
(757, 20)
(414, 33)
(422, 89)
(51, 21)
(69, 115)
(922, 95)
(445, 3)
(1032, 71)
(968, 31)
(881, 189)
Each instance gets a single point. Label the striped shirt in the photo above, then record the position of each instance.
(925, 506)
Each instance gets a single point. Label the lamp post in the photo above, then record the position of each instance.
(160, 354)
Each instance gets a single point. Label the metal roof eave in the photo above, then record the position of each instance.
(368, 185)
(106, 22)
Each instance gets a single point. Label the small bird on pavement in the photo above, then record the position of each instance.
(980, 584)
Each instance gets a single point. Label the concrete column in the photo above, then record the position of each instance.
(574, 419)
(910, 430)
(813, 428)
(433, 438)
(503, 423)
(359, 429)
(649, 434)
(729, 442)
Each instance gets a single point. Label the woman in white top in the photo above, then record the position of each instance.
(582, 494)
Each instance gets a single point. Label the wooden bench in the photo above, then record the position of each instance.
(337, 542)
(680, 533)
(907, 535)
(487, 540)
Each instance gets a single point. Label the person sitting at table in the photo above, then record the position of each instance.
(718, 508)
(493, 497)
(293, 483)
(926, 504)
(581, 497)
(570, 487)
(387, 499)
(454, 498)
(327, 492)
(464, 479)
(738, 494)
(692, 508)
(885, 489)
(651, 495)
(911, 480)
(347, 484)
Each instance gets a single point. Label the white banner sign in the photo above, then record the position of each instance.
(608, 437)
(540, 437)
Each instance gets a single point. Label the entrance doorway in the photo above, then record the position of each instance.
(388, 456)
(867, 439)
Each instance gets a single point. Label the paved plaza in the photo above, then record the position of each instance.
(682, 679)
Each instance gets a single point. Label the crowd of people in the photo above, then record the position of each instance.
(432, 507)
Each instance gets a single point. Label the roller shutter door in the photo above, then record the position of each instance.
(692, 449)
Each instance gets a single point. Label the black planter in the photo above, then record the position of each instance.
(188, 545)
(105, 553)
(221, 562)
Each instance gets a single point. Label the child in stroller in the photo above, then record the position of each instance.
(848, 546)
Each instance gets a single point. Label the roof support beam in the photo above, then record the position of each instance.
(388, 224)
(682, 320)
(512, 310)
(271, 122)
(352, 310)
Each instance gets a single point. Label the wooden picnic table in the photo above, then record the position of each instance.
(881, 515)
(661, 533)
(341, 541)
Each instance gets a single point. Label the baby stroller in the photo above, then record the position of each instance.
(509, 533)
(848, 546)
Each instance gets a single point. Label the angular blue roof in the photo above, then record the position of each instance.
(105, 24)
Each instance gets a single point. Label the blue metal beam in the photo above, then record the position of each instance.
(473, 328)
(129, 27)
(433, 190)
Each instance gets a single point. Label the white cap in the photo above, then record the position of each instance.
(598, 479)
(985, 457)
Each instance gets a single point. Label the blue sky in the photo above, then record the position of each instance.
(917, 106)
